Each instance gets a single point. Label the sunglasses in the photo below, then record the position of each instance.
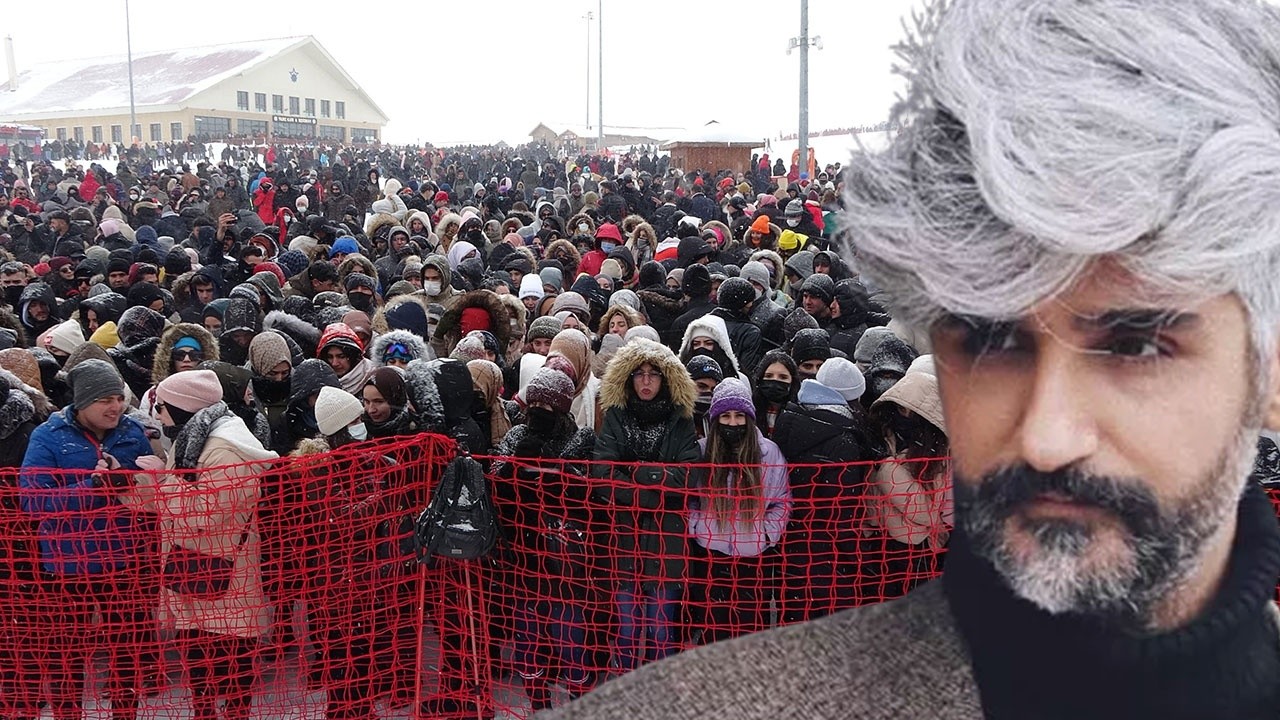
(187, 355)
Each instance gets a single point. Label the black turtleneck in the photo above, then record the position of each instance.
(1224, 664)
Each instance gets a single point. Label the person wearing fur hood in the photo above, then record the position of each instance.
(207, 498)
(777, 276)
(643, 243)
(182, 347)
(647, 440)
(475, 310)
(564, 252)
(711, 328)
(419, 226)
(447, 230)
(398, 348)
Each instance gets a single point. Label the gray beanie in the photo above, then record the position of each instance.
(544, 327)
(93, 380)
(755, 272)
(553, 277)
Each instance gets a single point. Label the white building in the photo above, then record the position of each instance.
(265, 89)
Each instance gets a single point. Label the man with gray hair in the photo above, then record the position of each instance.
(1083, 210)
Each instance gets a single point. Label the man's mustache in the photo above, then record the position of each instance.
(1009, 489)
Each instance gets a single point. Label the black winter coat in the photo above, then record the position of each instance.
(744, 337)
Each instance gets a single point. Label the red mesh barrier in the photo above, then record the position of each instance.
(294, 588)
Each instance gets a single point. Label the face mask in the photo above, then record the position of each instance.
(360, 301)
(583, 227)
(358, 432)
(171, 431)
(541, 420)
(775, 391)
(431, 287)
(270, 391)
(792, 223)
(733, 434)
(702, 404)
(13, 295)
(608, 247)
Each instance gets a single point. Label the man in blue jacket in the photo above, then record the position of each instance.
(96, 554)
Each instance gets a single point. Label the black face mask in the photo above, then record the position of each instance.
(270, 391)
(541, 421)
(13, 295)
(360, 301)
(733, 435)
(702, 404)
(171, 431)
(775, 391)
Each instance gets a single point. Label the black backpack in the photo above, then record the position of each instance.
(460, 522)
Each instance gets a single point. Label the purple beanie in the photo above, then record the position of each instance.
(732, 394)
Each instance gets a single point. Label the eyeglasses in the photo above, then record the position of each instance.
(187, 355)
(646, 376)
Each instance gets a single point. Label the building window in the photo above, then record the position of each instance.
(137, 133)
(62, 134)
(117, 134)
(242, 100)
(155, 132)
(251, 128)
(79, 134)
(333, 132)
(293, 129)
(364, 135)
(175, 131)
(309, 108)
(260, 102)
(324, 108)
(340, 110)
(277, 103)
(96, 133)
(294, 104)
(213, 127)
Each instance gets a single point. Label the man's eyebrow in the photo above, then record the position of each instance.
(1132, 319)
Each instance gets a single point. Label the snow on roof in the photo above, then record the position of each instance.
(164, 77)
(715, 132)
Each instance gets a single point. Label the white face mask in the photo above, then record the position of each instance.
(431, 287)
(792, 223)
(358, 431)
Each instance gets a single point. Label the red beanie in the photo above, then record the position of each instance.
(474, 318)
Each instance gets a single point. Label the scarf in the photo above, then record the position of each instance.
(193, 435)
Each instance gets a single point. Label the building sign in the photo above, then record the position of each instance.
(287, 119)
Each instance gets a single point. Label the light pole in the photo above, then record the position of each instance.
(803, 42)
(588, 17)
(128, 39)
(600, 76)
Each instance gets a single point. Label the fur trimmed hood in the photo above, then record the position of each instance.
(310, 446)
(380, 343)
(571, 227)
(378, 323)
(643, 236)
(446, 235)
(378, 222)
(633, 317)
(778, 265)
(617, 377)
(160, 365)
(424, 218)
(564, 248)
(713, 326)
(356, 263)
(303, 333)
(499, 320)
(22, 403)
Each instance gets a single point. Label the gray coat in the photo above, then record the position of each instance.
(897, 660)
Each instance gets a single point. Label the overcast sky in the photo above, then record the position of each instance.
(489, 70)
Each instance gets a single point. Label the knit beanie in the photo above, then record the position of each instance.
(819, 285)
(735, 294)
(471, 347)
(530, 287)
(545, 327)
(732, 394)
(697, 281)
(336, 409)
(756, 273)
(844, 377)
(611, 268)
(93, 380)
(355, 280)
(474, 318)
(268, 350)
(761, 224)
(797, 320)
(66, 337)
(702, 366)
(811, 344)
(642, 331)
(190, 391)
(627, 298)
(552, 276)
(144, 293)
(572, 302)
(106, 336)
(552, 387)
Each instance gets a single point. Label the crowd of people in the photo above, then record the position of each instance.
(684, 353)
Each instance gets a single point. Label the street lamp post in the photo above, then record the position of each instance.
(589, 17)
(600, 76)
(128, 39)
(803, 42)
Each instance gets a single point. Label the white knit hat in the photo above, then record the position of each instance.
(842, 376)
(530, 286)
(66, 336)
(336, 409)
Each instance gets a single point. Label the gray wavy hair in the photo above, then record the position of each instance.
(1044, 135)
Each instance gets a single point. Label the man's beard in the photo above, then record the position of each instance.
(1065, 570)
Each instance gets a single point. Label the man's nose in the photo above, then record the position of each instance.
(1057, 427)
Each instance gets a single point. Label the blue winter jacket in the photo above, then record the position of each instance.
(83, 529)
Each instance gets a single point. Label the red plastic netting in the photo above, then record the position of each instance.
(294, 588)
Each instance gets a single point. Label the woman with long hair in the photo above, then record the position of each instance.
(738, 513)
